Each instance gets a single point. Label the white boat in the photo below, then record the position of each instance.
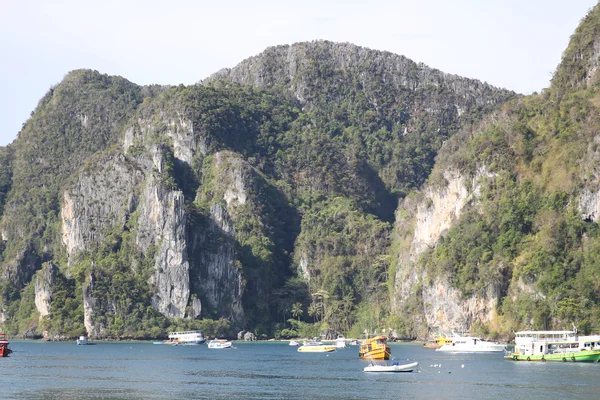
(391, 368)
(220, 344)
(340, 342)
(186, 338)
(555, 346)
(293, 343)
(471, 344)
(82, 340)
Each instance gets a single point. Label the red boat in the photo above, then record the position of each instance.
(4, 350)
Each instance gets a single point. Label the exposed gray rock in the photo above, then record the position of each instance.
(101, 196)
(44, 279)
(249, 337)
(93, 327)
(421, 220)
(285, 66)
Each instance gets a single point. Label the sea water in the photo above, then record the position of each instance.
(271, 370)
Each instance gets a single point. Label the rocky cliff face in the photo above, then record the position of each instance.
(101, 197)
(421, 221)
(43, 292)
(292, 68)
(75, 119)
(162, 222)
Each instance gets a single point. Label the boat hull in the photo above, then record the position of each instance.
(391, 368)
(382, 353)
(220, 344)
(4, 351)
(578, 356)
(316, 349)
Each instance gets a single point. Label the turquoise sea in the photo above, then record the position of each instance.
(273, 370)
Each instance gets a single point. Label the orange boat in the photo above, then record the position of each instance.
(375, 348)
(4, 350)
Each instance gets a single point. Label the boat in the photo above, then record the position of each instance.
(438, 341)
(293, 343)
(375, 348)
(340, 342)
(82, 340)
(186, 338)
(316, 347)
(220, 344)
(555, 346)
(395, 367)
(354, 342)
(471, 344)
(4, 350)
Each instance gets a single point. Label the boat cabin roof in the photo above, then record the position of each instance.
(377, 338)
(529, 333)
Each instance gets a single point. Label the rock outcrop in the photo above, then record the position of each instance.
(421, 221)
(101, 198)
(44, 280)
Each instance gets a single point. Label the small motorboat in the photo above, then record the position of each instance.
(82, 340)
(220, 344)
(340, 342)
(4, 350)
(293, 343)
(395, 367)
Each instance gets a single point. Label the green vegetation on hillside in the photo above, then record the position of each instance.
(528, 240)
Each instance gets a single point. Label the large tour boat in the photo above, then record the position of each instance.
(471, 344)
(4, 350)
(186, 338)
(375, 348)
(555, 346)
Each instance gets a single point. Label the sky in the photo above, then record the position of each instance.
(515, 44)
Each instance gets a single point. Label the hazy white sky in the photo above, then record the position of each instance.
(515, 44)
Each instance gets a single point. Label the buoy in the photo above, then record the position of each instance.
(449, 372)
(462, 365)
(438, 372)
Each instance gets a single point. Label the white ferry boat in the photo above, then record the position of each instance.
(186, 338)
(555, 346)
(471, 344)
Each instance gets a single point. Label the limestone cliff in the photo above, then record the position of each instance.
(101, 196)
(290, 67)
(101, 201)
(421, 221)
(162, 222)
(44, 280)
